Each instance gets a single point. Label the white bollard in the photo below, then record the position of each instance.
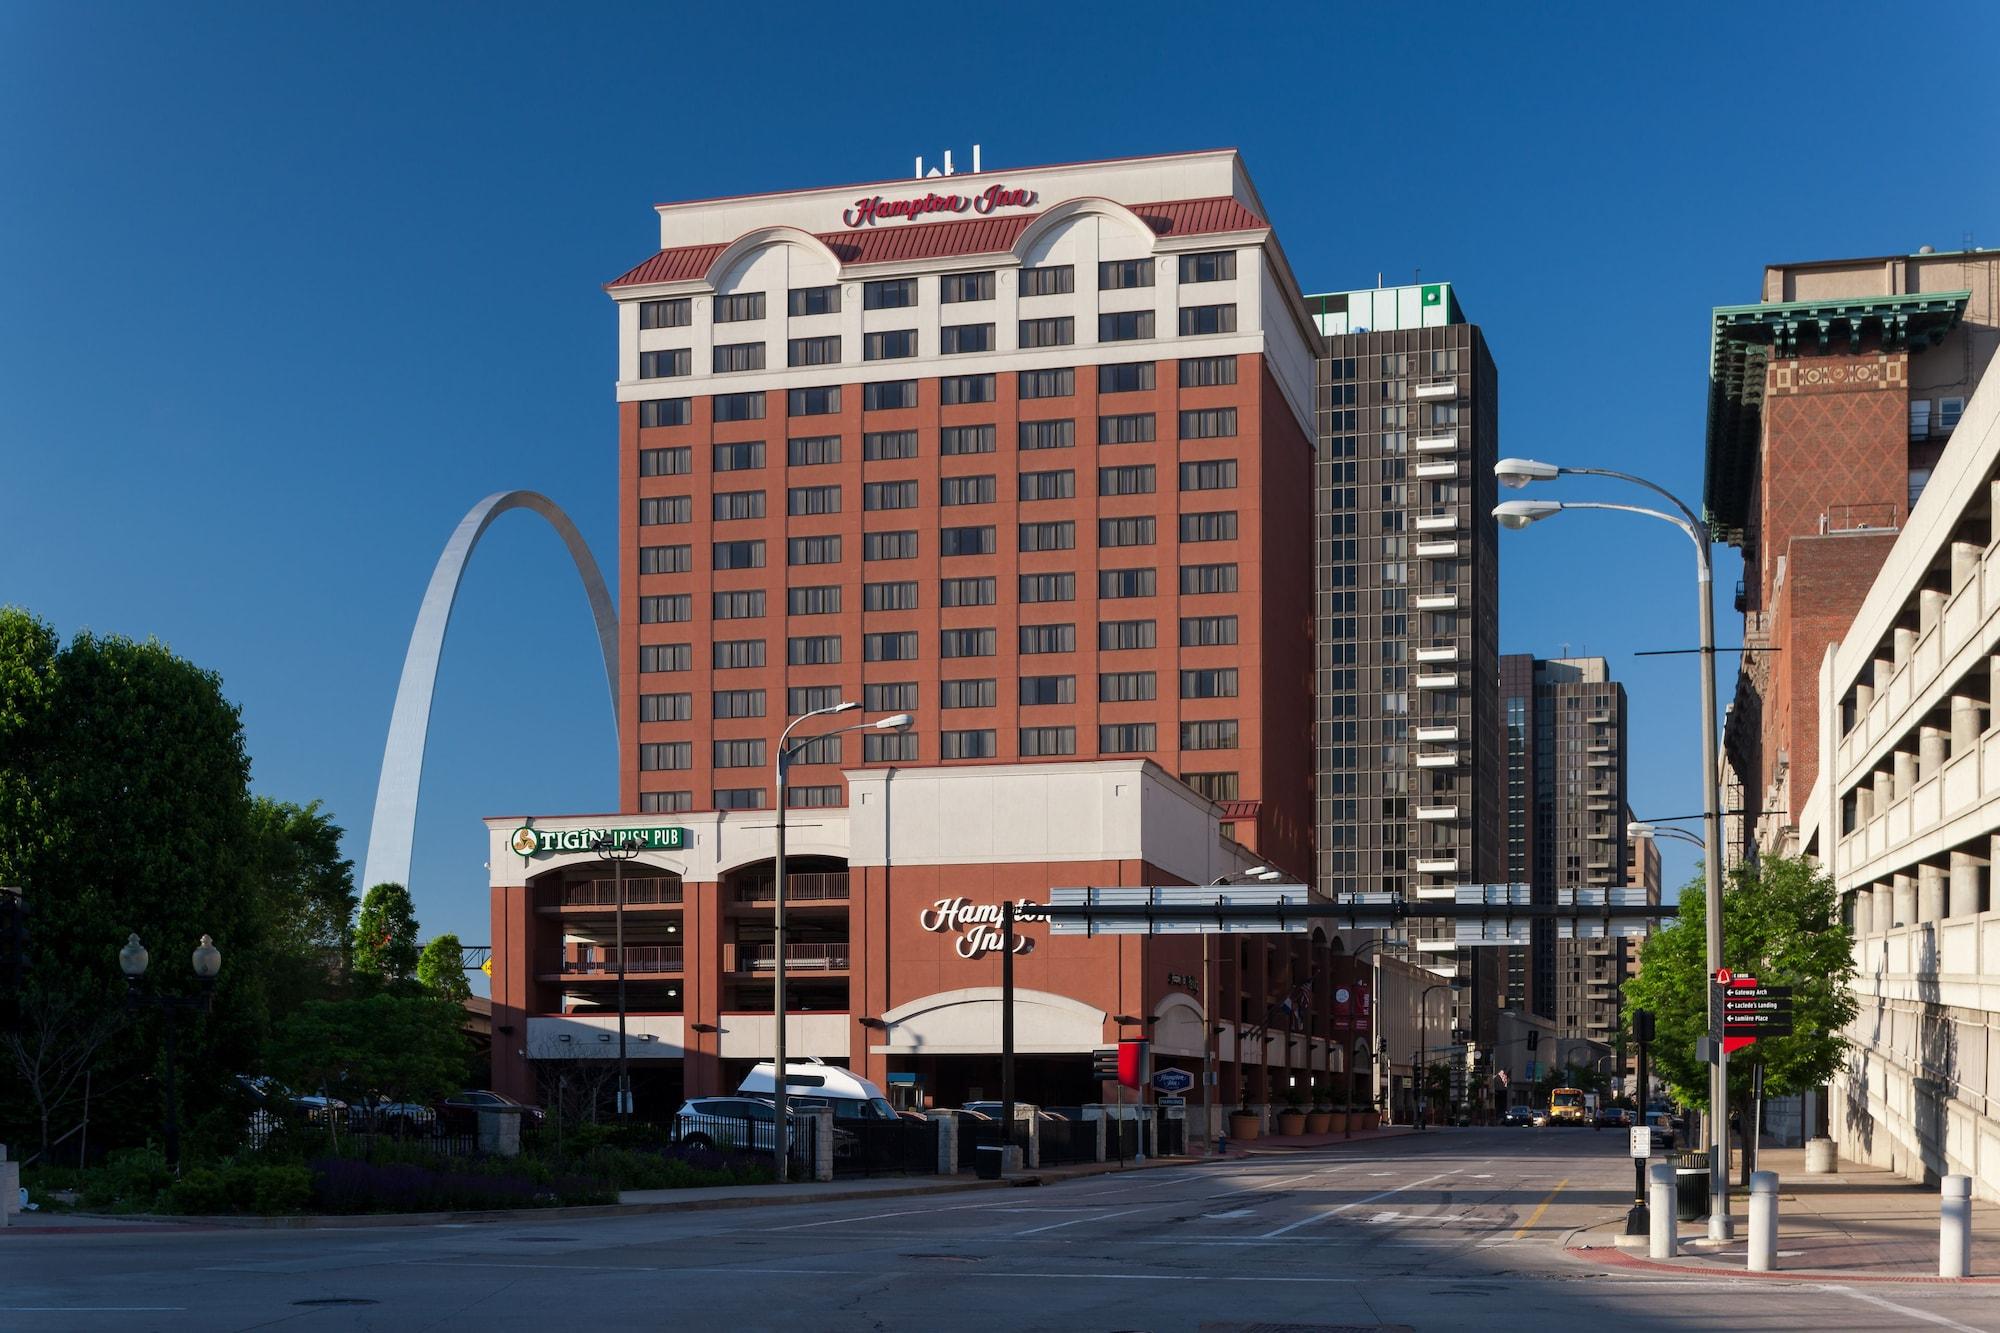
(1660, 1191)
(1955, 1227)
(1763, 1221)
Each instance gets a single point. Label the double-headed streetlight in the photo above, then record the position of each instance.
(1423, 1071)
(781, 1135)
(618, 848)
(206, 961)
(1642, 829)
(1517, 514)
(1210, 1029)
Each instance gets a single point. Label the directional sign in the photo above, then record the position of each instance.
(1172, 1080)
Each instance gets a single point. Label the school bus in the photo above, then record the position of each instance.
(1572, 1106)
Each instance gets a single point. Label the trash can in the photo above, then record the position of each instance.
(1691, 1186)
(986, 1161)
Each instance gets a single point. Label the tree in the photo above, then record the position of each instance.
(442, 970)
(305, 898)
(385, 935)
(404, 1048)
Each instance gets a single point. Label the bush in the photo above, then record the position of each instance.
(346, 1185)
(243, 1187)
(130, 1179)
(673, 1168)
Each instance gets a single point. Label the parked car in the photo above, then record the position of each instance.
(959, 1113)
(1611, 1117)
(1666, 1129)
(382, 1116)
(1540, 1117)
(726, 1122)
(459, 1113)
(851, 1096)
(1022, 1111)
(1519, 1115)
(271, 1096)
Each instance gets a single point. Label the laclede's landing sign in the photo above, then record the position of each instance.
(1750, 1009)
(875, 208)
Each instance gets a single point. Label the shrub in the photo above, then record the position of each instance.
(198, 1191)
(131, 1178)
(346, 1185)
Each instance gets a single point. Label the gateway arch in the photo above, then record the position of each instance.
(394, 826)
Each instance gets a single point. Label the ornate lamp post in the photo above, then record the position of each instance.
(207, 961)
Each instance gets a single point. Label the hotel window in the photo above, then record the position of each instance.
(1115, 275)
(954, 339)
(1219, 526)
(953, 440)
(1212, 266)
(887, 395)
(877, 495)
(895, 747)
(1136, 428)
(739, 555)
(1949, 411)
(812, 798)
(803, 699)
(812, 500)
(956, 389)
(747, 604)
(738, 406)
(665, 802)
(966, 491)
(736, 309)
(1134, 480)
(813, 550)
(1215, 786)
(739, 457)
(888, 546)
(1057, 332)
(738, 504)
(901, 647)
(1217, 475)
(965, 541)
(1125, 531)
(666, 412)
(967, 592)
(889, 697)
(1126, 687)
(964, 643)
(820, 750)
(811, 450)
(734, 653)
(1115, 583)
(967, 694)
(666, 559)
(1048, 587)
(1124, 326)
(1048, 639)
(666, 707)
(882, 445)
(1048, 434)
(889, 294)
(813, 650)
(1207, 631)
(1123, 635)
(1048, 536)
(738, 356)
(889, 345)
(1202, 371)
(1052, 280)
(666, 657)
(666, 365)
(823, 351)
(1048, 383)
(956, 287)
(739, 798)
(670, 609)
(1196, 579)
(1058, 485)
(1214, 424)
(1132, 377)
(675, 312)
(967, 745)
(823, 600)
(1127, 738)
(1042, 742)
(1197, 319)
(889, 596)
(1040, 690)
(1219, 735)
(814, 301)
(666, 755)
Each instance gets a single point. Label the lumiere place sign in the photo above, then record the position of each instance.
(528, 842)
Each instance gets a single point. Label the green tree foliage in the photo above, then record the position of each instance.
(305, 893)
(385, 935)
(406, 1048)
(1780, 924)
(442, 970)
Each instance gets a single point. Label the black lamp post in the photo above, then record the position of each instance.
(207, 961)
(618, 849)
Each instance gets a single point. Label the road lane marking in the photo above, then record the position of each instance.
(1334, 1212)
(1093, 1217)
(1540, 1208)
(1908, 1310)
(1233, 1212)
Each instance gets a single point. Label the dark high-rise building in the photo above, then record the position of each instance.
(1410, 744)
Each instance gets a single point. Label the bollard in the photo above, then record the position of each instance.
(1660, 1211)
(1763, 1221)
(1955, 1227)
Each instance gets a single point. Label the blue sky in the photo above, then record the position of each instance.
(284, 289)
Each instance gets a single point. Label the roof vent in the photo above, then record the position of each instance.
(1927, 249)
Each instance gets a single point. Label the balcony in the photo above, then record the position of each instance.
(640, 891)
(830, 957)
(1436, 444)
(1430, 391)
(1440, 866)
(807, 887)
(1599, 761)
(640, 959)
(1435, 469)
(1435, 522)
(1437, 814)
(1449, 654)
(1445, 680)
(1438, 550)
(1435, 601)
(1437, 761)
(1435, 733)
(1599, 719)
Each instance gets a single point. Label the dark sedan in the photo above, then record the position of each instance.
(459, 1113)
(1519, 1115)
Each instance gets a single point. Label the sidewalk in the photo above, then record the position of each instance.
(1858, 1224)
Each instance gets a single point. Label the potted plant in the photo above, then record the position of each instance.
(1292, 1119)
(1243, 1124)
(1319, 1117)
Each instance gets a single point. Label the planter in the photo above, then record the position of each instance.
(1368, 1120)
(1337, 1122)
(1243, 1125)
(1317, 1121)
(1291, 1122)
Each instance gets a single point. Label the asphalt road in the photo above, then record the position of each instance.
(1458, 1229)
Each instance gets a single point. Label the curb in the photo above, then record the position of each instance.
(1708, 1269)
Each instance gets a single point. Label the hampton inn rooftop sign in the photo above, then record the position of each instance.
(873, 209)
(978, 925)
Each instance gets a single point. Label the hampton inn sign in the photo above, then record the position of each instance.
(978, 925)
(874, 208)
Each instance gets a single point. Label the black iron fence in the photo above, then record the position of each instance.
(974, 1134)
(1067, 1142)
(885, 1147)
(746, 1137)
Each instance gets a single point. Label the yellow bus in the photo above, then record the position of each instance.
(1572, 1106)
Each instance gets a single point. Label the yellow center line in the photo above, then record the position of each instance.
(1543, 1207)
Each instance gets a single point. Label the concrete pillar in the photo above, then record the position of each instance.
(947, 1127)
(1930, 610)
(1993, 676)
(1883, 902)
(1903, 899)
(1968, 719)
(1965, 558)
(1864, 697)
(820, 1126)
(1931, 748)
(1865, 804)
(1885, 789)
(1905, 641)
(500, 1132)
(1966, 873)
(1905, 773)
(1930, 892)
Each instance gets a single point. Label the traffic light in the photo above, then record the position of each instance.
(1534, 1038)
(1642, 1024)
(1104, 1064)
(1135, 1062)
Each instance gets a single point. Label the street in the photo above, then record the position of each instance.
(1448, 1229)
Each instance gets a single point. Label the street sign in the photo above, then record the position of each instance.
(1173, 1080)
(1743, 1009)
(1642, 1141)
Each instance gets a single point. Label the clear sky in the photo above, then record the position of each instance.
(285, 288)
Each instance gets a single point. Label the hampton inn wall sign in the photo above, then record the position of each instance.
(873, 209)
(977, 924)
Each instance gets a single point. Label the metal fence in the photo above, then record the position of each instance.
(1067, 1142)
(747, 1137)
(885, 1147)
(972, 1135)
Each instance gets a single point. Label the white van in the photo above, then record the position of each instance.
(808, 1083)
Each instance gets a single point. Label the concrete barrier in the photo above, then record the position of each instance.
(1661, 1189)
(1955, 1227)
(1821, 1159)
(1763, 1221)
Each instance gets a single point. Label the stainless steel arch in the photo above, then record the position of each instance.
(394, 827)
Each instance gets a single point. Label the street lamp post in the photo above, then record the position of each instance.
(1210, 1029)
(1518, 472)
(781, 1133)
(207, 961)
(1424, 1048)
(1377, 1067)
(617, 849)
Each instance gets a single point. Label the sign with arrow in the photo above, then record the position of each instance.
(1746, 1009)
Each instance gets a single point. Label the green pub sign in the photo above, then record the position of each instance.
(528, 842)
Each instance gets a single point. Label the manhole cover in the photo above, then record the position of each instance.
(337, 1300)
